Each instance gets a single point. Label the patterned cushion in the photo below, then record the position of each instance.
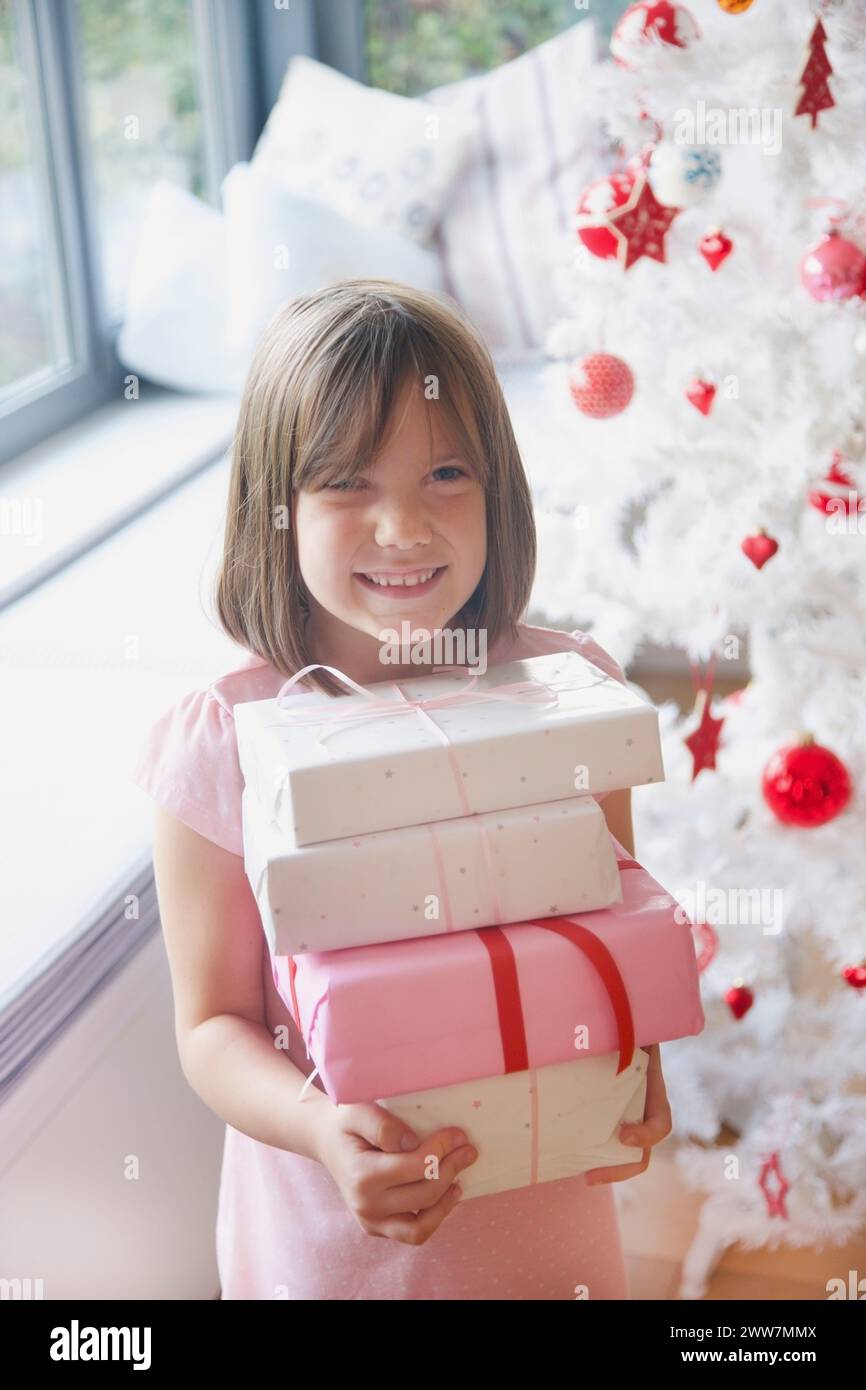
(508, 222)
(381, 160)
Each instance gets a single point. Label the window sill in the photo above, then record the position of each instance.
(74, 490)
(89, 658)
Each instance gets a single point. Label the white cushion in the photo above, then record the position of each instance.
(174, 328)
(280, 244)
(508, 224)
(380, 159)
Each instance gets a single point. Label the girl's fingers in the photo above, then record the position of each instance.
(419, 1196)
(414, 1230)
(618, 1173)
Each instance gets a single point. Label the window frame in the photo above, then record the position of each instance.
(52, 58)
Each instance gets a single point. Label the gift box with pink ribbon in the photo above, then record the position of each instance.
(385, 1020)
(496, 867)
(410, 752)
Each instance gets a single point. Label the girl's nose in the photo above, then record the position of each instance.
(402, 524)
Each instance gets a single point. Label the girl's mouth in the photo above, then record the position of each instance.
(409, 588)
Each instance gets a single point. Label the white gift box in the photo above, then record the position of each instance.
(420, 880)
(537, 1125)
(543, 729)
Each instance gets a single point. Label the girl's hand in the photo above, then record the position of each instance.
(385, 1183)
(655, 1127)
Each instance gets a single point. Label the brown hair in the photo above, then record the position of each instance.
(315, 407)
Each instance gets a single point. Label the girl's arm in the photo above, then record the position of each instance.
(214, 939)
(617, 812)
(215, 943)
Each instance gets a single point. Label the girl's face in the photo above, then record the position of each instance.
(406, 515)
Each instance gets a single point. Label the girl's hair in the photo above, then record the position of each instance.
(315, 409)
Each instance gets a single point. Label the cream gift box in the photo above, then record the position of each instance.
(421, 880)
(440, 746)
(538, 1125)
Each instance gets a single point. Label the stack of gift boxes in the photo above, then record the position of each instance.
(455, 931)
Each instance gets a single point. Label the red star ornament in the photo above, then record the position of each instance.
(703, 743)
(641, 224)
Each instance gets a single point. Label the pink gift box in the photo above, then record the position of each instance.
(385, 1019)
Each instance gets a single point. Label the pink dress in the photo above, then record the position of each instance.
(283, 1230)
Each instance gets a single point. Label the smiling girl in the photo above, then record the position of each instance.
(375, 479)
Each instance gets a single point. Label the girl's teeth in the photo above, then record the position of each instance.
(393, 580)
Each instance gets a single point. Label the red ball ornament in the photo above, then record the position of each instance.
(834, 269)
(601, 385)
(835, 492)
(701, 394)
(855, 976)
(648, 24)
(596, 201)
(805, 784)
(715, 248)
(739, 999)
(759, 547)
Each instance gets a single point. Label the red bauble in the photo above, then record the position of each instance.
(715, 248)
(835, 492)
(855, 976)
(596, 201)
(759, 547)
(701, 394)
(739, 999)
(601, 385)
(620, 216)
(805, 784)
(835, 269)
(648, 23)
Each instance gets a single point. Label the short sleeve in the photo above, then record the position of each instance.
(588, 647)
(189, 765)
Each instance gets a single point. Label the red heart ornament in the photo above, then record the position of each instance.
(760, 548)
(701, 394)
(715, 247)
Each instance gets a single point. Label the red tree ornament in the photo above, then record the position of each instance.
(620, 216)
(701, 394)
(816, 95)
(715, 247)
(835, 492)
(759, 547)
(855, 976)
(805, 784)
(703, 742)
(739, 999)
(834, 269)
(651, 22)
(601, 385)
(774, 1195)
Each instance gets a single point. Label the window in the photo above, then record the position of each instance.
(99, 99)
(143, 81)
(413, 45)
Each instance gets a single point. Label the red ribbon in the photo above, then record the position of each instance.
(506, 985)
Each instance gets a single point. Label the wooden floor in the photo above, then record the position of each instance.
(659, 1214)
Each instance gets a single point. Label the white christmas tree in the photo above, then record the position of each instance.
(645, 536)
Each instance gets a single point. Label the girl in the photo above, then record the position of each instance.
(372, 445)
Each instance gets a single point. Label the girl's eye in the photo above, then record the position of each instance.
(451, 468)
(347, 485)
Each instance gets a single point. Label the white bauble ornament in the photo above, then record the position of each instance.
(682, 175)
